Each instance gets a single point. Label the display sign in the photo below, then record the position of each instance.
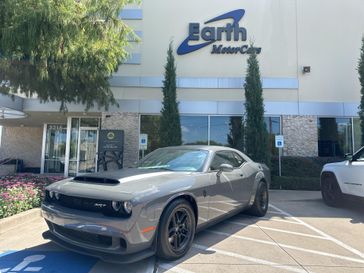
(230, 32)
(279, 141)
(143, 142)
(111, 148)
(111, 140)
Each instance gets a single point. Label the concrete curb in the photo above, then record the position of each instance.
(11, 222)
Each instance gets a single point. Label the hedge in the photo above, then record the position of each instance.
(299, 173)
(295, 183)
(301, 166)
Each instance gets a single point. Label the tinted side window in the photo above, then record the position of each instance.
(224, 157)
(238, 158)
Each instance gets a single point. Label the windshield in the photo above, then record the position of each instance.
(175, 160)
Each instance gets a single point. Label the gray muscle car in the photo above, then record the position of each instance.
(156, 208)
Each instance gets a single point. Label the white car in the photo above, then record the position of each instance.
(343, 179)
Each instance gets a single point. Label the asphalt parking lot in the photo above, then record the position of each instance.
(299, 234)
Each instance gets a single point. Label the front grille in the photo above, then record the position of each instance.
(83, 237)
(86, 204)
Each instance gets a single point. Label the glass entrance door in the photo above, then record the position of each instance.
(87, 150)
(55, 147)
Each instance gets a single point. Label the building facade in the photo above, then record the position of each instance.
(308, 54)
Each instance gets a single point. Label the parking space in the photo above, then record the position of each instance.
(299, 234)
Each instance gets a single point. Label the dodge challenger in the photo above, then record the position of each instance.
(157, 207)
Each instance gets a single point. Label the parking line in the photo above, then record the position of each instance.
(274, 212)
(280, 220)
(347, 247)
(287, 246)
(278, 230)
(251, 259)
(173, 267)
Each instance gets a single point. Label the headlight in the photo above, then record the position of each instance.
(116, 205)
(51, 194)
(56, 194)
(128, 207)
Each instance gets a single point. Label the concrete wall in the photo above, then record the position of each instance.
(129, 122)
(300, 135)
(24, 143)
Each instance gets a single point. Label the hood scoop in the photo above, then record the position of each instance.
(99, 180)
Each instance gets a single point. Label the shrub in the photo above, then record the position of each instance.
(22, 192)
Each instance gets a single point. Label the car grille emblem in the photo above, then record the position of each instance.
(100, 205)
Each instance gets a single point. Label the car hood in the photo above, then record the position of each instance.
(341, 163)
(124, 184)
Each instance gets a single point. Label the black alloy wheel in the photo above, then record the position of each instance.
(261, 202)
(176, 231)
(179, 229)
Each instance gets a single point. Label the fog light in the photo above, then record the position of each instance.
(116, 205)
(128, 207)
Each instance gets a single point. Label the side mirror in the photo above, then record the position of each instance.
(349, 157)
(225, 168)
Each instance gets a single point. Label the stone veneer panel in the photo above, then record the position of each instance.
(24, 143)
(129, 122)
(300, 135)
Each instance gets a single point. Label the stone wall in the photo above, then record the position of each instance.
(24, 143)
(129, 122)
(300, 135)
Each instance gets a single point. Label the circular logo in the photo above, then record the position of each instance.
(110, 135)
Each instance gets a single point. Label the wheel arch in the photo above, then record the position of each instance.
(258, 178)
(329, 173)
(189, 197)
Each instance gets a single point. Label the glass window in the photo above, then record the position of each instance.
(150, 125)
(224, 157)
(175, 159)
(239, 159)
(359, 156)
(89, 122)
(194, 130)
(226, 131)
(1, 131)
(273, 125)
(357, 134)
(335, 136)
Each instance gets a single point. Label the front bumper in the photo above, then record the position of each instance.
(108, 238)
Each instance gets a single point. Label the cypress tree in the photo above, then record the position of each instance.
(256, 139)
(236, 134)
(361, 79)
(170, 127)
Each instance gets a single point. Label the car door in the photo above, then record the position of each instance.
(226, 193)
(352, 175)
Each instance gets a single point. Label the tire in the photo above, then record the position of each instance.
(176, 230)
(261, 202)
(330, 190)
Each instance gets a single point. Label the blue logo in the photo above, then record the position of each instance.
(211, 35)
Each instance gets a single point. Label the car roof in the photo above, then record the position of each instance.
(201, 147)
